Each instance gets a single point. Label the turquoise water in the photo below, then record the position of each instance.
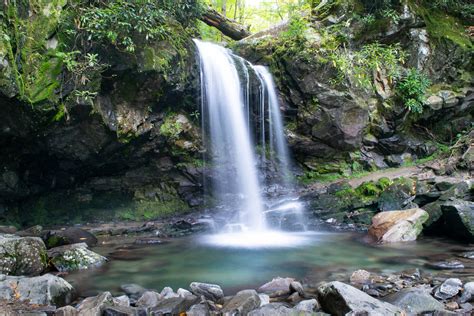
(178, 262)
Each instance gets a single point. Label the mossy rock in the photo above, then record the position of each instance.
(22, 255)
(74, 257)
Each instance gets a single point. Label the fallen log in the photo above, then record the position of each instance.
(228, 27)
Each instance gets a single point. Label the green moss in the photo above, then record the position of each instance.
(148, 210)
(171, 128)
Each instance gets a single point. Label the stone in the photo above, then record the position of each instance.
(276, 287)
(242, 303)
(452, 306)
(297, 287)
(468, 255)
(183, 293)
(308, 306)
(34, 231)
(7, 229)
(124, 311)
(274, 309)
(446, 265)
(264, 299)
(42, 290)
(435, 102)
(198, 310)
(122, 300)
(459, 216)
(134, 291)
(398, 195)
(74, 257)
(95, 306)
(149, 299)
(174, 305)
(468, 293)
(448, 289)
(66, 311)
(71, 235)
(168, 292)
(212, 292)
(398, 226)
(338, 298)
(360, 277)
(415, 301)
(22, 255)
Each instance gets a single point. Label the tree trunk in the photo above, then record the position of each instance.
(227, 26)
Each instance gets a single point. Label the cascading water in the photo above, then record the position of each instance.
(226, 119)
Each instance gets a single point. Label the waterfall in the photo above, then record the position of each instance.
(239, 100)
(224, 114)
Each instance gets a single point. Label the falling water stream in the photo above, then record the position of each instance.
(227, 124)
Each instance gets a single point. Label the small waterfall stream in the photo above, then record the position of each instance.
(231, 115)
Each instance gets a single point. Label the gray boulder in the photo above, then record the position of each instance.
(274, 309)
(149, 299)
(277, 286)
(66, 311)
(174, 305)
(42, 290)
(212, 292)
(95, 306)
(468, 293)
(448, 289)
(308, 306)
(338, 298)
(74, 257)
(134, 291)
(71, 235)
(242, 303)
(124, 311)
(22, 255)
(415, 301)
(198, 310)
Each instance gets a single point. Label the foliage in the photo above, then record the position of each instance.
(360, 65)
(412, 90)
(119, 22)
(171, 128)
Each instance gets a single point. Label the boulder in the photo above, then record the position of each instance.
(277, 287)
(307, 306)
(149, 299)
(459, 217)
(274, 309)
(398, 195)
(42, 290)
(398, 226)
(448, 289)
(468, 293)
(134, 291)
(242, 303)
(338, 298)
(415, 301)
(95, 306)
(22, 255)
(198, 310)
(124, 311)
(71, 235)
(74, 257)
(174, 305)
(212, 292)
(66, 311)
(168, 292)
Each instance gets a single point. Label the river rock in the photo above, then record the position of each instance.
(448, 289)
(360, 277)
(274, 309)
(198, 310)
(459, 216)
(124, 311)
(149, 299)
(415, 301)
(277, 287)
(7, 229)
(468, 293)
(134, 291)
(296, 286)
(212, 292)
(66, 311)
(33, 231)
(42, 290)
(168, 292)
(307, 306)
(174, 305)
(183, 293)
(242, 303)
(338, 298)
(22, 255)
(398, 226)
(74, 257)
(264, 299)
(122, 300)
(446, 265)
(398, 195)
(95, 306)
(71, 235)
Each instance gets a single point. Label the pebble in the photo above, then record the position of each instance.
(448, 289)
(360, 277)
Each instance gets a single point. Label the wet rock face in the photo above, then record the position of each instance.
(22, 255)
